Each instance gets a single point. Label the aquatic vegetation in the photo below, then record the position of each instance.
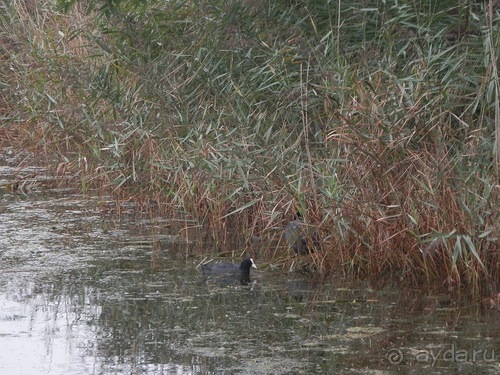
(379, 120)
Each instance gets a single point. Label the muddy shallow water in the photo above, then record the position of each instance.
(86, 293)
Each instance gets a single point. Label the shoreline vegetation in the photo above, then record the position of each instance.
(378, 120)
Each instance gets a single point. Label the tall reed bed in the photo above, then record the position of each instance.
(379, 120)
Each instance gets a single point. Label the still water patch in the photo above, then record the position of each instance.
(85, 293)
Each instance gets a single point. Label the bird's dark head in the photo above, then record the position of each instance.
(247, 264)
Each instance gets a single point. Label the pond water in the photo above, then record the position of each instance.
(85, 292)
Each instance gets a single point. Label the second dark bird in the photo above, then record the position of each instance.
(301, 238)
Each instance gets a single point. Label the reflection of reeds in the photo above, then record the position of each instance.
(380, 124)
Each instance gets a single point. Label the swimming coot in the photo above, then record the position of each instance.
(301, 237)
(229, 272)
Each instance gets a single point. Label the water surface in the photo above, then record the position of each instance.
(84, 292)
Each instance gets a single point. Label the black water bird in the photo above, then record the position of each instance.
(227, 273)
(302, 238)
